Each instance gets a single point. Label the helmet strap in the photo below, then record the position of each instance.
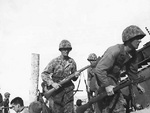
(129, 44)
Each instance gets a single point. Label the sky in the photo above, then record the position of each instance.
(38, 26)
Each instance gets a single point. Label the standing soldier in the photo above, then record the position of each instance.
(92, 82)
(116, 59)
(6, 102)
(61, 101)
(92, 79)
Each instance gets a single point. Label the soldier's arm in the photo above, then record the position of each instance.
(103, 66)
(74, 69)
(46, 75)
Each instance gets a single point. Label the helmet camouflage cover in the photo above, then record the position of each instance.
(92, 57)
(132, 32)
(65, 44)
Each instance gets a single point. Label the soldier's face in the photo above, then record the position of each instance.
(135, 43)
(93, 62)
(15, 107)
(65, 52)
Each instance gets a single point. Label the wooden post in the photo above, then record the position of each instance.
(34, 80)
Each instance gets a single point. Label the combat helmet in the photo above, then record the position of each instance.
(132, 32)
(92, 57)
(65, 44)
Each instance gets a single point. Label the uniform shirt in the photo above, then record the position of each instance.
(114, 59)
(25, 110)
(92, 81)
(58, 69)
(6, 104)
(90, 73)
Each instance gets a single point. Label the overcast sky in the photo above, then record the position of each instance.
(38, 26)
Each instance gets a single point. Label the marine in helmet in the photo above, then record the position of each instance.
(92, 58)
(57, 69)
(131, 37)
(118, 58)
(92, 80)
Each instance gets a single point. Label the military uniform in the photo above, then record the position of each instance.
(92, 80)
(61, 101)
(109, 68)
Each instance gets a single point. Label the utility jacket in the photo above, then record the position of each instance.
(92, 79)
(58, 69)
(115, 60)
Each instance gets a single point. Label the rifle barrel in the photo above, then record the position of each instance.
(7, 107)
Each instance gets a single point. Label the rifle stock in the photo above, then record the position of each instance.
(65, 80)
(84, 107)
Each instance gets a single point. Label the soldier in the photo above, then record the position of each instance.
(116, 59)
(92, 79)
(59, 68)
(18, 105)
(6, 102)
(92, 83)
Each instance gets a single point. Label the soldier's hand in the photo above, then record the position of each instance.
(77, 74)
(109, 90)
(50, 82)
(56, 85)
(140, 89)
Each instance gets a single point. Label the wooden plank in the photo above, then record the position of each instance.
(34, 79)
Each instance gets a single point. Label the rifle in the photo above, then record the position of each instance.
(65, 80)
(6, 107)
(83, 108)
(10, 107)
